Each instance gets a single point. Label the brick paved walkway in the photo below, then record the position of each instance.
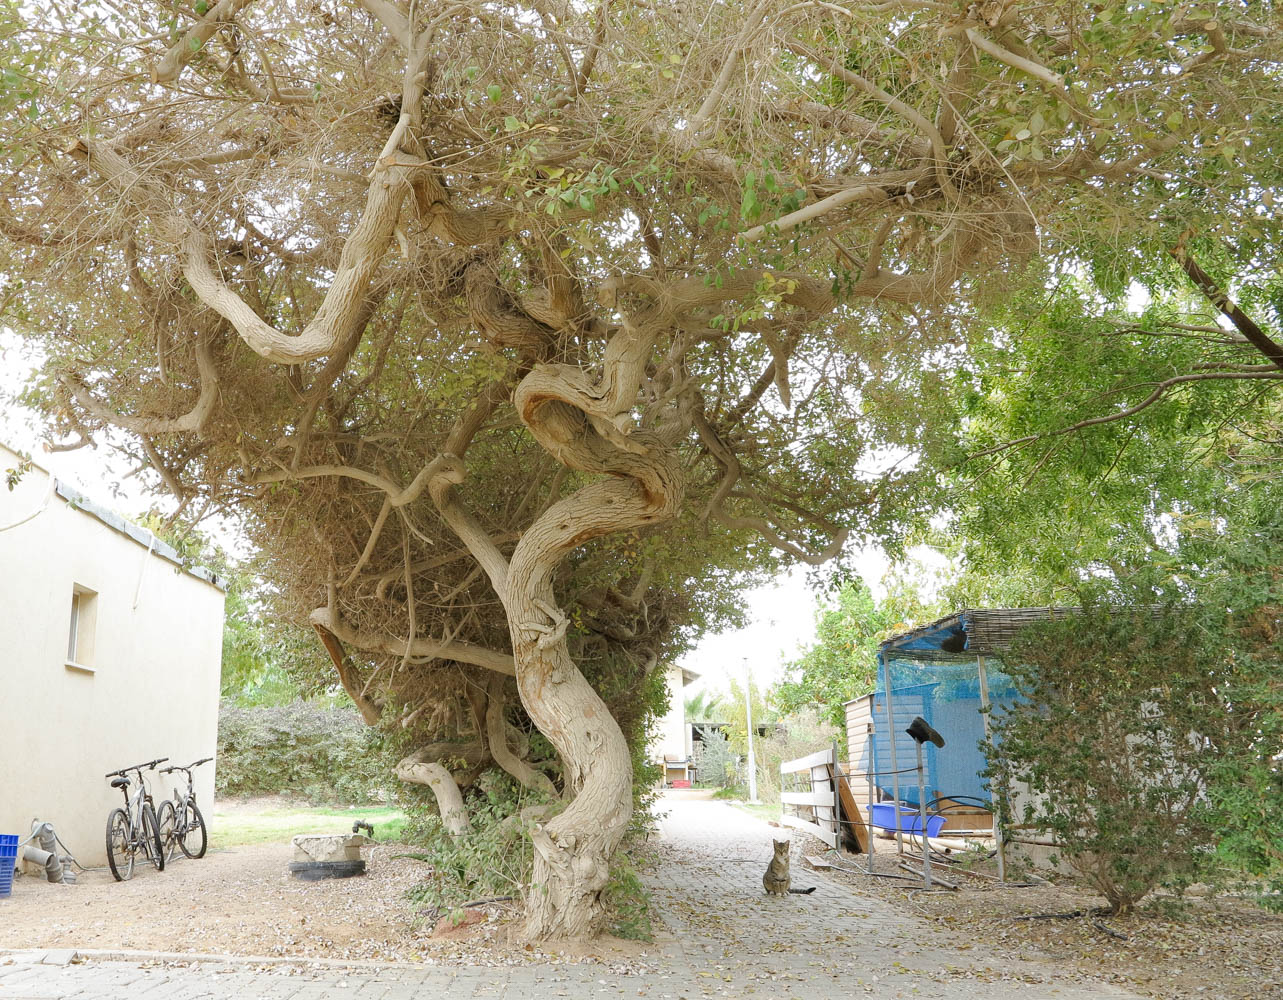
(721, 937)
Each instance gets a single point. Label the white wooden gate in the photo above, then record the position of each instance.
(809, 795)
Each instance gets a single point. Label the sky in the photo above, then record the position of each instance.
(781, 625)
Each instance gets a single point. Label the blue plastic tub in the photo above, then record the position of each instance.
(882, 815)
(9, 844)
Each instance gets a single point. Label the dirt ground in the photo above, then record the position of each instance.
(1204, 948)
(243, 901)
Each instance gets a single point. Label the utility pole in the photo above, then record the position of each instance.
(748, 711)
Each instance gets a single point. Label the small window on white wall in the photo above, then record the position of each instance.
(80, 633)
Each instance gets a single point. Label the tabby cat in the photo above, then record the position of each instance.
(776, 879)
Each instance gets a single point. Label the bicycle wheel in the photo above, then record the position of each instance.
(167, 820)
(150, 836)
(120, 845)
(193, 838)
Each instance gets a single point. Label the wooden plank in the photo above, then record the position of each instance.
(856, 822)
(816, 800)
(828, 836)
(817, 759)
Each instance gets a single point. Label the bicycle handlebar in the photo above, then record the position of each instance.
(136, 767)
(179, 767)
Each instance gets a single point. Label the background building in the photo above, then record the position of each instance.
(111, 652)
(672, 746)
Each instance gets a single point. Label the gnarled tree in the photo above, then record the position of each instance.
(501, 323)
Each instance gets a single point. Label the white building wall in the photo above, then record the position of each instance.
(150, 686)
(672, 733)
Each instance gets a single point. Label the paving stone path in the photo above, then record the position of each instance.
(721, 937)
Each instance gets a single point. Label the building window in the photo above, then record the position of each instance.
(80, 633)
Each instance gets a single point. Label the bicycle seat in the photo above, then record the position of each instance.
(119, 782)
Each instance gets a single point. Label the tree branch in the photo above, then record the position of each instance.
(370, 711)
(911, 114)
(193, 40)
(1148, 401)
(459, 652)
(1221, 300)
(193, 420)
(497, 738)
(362, 253)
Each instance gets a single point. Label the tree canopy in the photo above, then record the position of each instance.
(512, 331)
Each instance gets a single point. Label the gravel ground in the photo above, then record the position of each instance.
(853, 934)
(1206, 948)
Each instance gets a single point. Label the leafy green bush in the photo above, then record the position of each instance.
(301, 750)
(628, 900)
(1133, 733)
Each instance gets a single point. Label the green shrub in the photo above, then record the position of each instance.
(628, 900)
(495, 858)
(1128, 737)
(302, 751)
(716, 764)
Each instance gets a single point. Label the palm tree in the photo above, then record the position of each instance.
(700, 707)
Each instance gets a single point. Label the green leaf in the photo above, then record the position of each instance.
(494, 92)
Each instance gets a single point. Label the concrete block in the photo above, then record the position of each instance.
(329, 847)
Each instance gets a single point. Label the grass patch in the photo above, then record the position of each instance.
(736, 795)
(271, 826)
(762, 810)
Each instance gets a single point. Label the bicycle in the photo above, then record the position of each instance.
(134, 826)
(181, 822)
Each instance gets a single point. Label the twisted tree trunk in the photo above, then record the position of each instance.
(578, 423)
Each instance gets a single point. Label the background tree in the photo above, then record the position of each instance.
(508, 348)
(843, 662)
(705, 706)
